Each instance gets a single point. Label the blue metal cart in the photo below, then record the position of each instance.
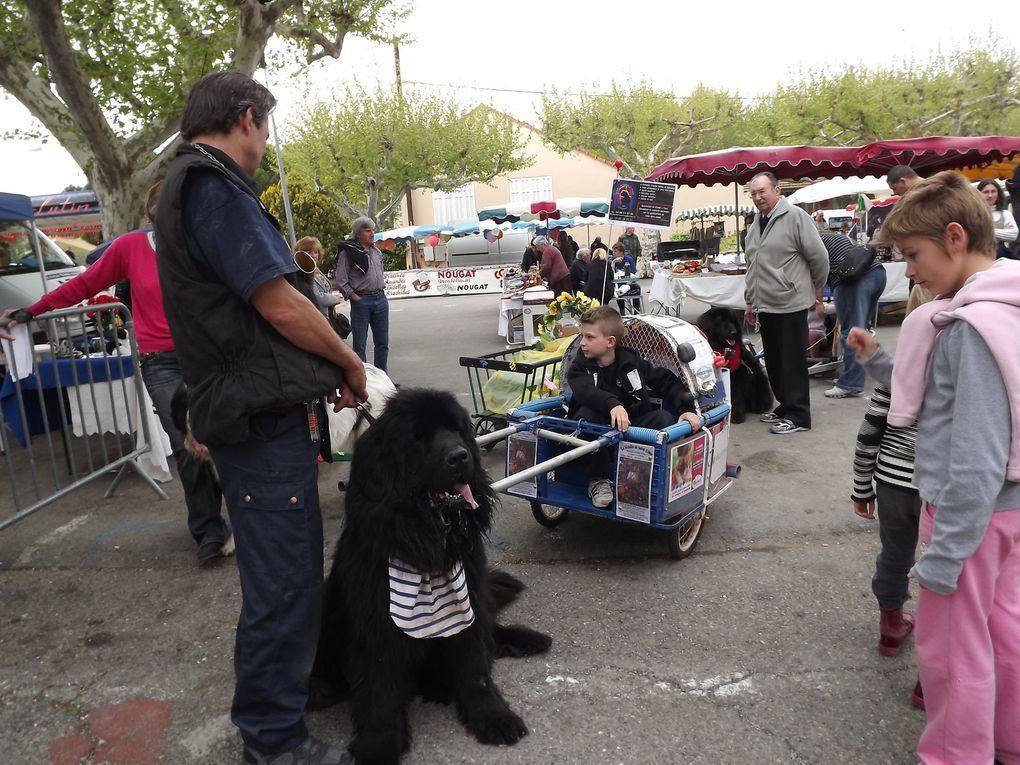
(663, 479)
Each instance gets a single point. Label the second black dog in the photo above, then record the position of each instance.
(749, 384)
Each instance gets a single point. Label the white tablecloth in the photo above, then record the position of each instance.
(105, 410)
(728, 291)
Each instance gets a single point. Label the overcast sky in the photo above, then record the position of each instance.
(489, 49)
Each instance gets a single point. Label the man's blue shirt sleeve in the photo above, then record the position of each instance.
(233, 237)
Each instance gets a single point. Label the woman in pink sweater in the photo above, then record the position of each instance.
(131, 256)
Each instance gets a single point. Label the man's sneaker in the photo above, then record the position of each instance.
(781, 427)
(769, 417)
(836, 392)
(600, 492)
(311, 752)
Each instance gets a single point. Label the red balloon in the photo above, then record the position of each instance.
(433, 240)
(618, 164)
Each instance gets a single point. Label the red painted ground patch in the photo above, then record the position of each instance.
(131, 733)
(69, 750)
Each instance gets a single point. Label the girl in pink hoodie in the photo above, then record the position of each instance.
(958, 372)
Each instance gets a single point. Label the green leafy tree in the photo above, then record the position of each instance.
(365, 150)
(637, 124)
(975, 91)
(109, 79)
(313, 214)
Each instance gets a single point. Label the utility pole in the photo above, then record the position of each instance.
(412, 259)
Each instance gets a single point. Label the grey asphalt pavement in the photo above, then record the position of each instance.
(759, 648)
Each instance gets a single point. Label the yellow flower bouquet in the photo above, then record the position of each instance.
(562, 313)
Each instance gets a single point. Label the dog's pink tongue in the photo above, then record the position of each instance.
(465, 491)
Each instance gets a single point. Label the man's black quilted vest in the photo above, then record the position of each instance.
(234, 362)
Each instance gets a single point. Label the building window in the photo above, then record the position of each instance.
(452, 207)
(535, 189)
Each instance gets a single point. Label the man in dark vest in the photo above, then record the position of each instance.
(254, 352)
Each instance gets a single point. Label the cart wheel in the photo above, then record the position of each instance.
(684, 538)
(489, 423)
(550, 518)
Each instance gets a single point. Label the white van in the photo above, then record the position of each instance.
(476, 250)
(836, 218)
(21, 281)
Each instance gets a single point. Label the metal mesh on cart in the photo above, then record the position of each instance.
(654, 346)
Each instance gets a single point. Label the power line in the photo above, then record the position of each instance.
(456, 86)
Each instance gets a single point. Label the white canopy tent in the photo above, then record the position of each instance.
(839, 187)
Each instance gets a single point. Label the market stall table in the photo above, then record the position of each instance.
(727, 291)
(517, 314)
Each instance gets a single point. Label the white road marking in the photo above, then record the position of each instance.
(554, 679)
(50, 538)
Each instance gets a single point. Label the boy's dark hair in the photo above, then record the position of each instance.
(219, 99)
(936, 202)
(607, 319)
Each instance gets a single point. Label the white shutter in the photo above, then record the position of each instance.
(534, 189)
(453, 207)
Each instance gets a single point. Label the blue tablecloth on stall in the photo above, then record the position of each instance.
(40, 390)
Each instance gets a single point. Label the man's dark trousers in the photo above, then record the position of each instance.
(271, 489)
(784, 339)
(162, 376)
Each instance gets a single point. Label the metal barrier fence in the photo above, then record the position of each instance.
(73, 407)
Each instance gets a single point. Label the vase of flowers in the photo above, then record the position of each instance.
(562, 314)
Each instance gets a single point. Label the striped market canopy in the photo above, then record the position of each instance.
(407, 233)
(567, 207)
(714, 211)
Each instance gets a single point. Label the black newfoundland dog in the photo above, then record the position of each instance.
(409, 606)
(750, 390)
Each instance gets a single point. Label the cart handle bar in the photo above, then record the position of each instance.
(551, 464)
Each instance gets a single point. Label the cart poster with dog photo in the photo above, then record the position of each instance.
(686, 467)
(521, 454)
(634, 481)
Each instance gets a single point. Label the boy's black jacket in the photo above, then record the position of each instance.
(603, 388)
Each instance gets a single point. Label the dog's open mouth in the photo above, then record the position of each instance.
(461, 491)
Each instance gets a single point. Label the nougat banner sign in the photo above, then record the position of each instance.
(444, 281)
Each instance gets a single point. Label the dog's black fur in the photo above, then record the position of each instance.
(401, 501)
(749, 384)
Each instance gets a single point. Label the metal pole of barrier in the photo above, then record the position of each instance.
(60, 378)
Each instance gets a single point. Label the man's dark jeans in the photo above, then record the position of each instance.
(270, 483)
(162, 376)
(372, 311)
(856, 302)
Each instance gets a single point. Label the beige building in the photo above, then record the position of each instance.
(551, 175)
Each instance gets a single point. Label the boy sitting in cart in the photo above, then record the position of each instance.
(612, 385)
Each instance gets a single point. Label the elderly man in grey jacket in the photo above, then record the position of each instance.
(787, 265)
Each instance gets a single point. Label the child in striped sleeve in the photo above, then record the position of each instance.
(884, 470)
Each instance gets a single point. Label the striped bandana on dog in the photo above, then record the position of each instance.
(429, 605)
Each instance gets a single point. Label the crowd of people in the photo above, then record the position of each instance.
(594, 271)
(934, 461)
